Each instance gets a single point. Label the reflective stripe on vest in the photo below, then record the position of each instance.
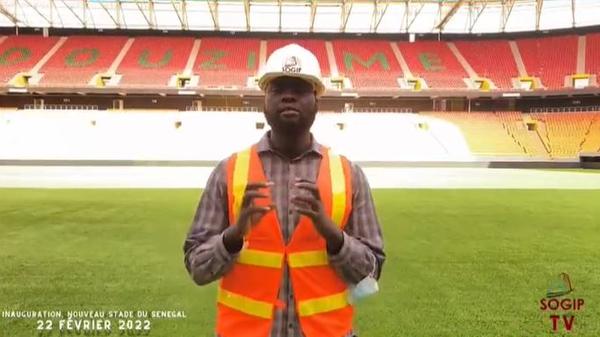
(323, 304)
(308, 259)
(240, 180)
(338, 189)
(261, 258)
(245, 304)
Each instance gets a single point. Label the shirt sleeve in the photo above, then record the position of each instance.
(206, 257)
(362, 251)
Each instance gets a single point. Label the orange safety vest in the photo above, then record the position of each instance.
(248, 293)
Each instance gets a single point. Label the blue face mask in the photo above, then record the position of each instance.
(366, 287)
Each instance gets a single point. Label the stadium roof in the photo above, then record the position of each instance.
(350, 16)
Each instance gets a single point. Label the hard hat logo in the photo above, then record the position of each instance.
(291, 65)
(294, 61)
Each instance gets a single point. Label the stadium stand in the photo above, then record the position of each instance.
(427, 136)
(531, 141)
(491, 59)
(72, 135)
(550, 58)
(315, 46)
(152, 61)
(484, 133)
(227, 63)
(592, 54)
(433, 61)
(567, 132)
(21, 53)
(79, 59)
(370, 65)
(592, 136)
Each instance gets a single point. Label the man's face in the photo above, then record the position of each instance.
(290, 105)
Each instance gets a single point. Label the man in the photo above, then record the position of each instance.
(287, 225)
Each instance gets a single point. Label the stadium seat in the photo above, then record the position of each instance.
(226, 63)
(21, 53)
(592, 58)
(550, 58)
(491, 59)
(484, 133)
(152, 61)
(434, 62)
(530, 140)
(591, 143)
(370, 65)
(79, 59)
(567, 132)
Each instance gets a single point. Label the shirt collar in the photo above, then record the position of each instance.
(264, 145)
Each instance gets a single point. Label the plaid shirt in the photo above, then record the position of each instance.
(207, 259)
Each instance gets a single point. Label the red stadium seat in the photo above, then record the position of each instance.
(79, 59)
(550, 58)
(592, 54)
(21, 53)
(434, 61)
(151, 61)
(370, 65)
(491, 59)
(224, 62)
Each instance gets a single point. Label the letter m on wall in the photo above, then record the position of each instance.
(350, 59)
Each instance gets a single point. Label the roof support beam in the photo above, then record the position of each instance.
(213, 6)
(82, 21)
(346, 10)
(573, 13)
(152, 13)
(9, 15)
(247, 14)
(39, 13)
(313, 14)
(120, 15)
(148, 17)
(51, 9)
(379, 10)
(406, 12)
(116, 21)
(538, 13)
(180, 14)
(507, 7)
(473, 22)
(279, 2)
(85, 10)
(53, 5)
(25, 18)
(449, 15)
(87, 13)
(414, 17)
(184, 14)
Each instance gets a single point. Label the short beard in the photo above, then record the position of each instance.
(292, 129)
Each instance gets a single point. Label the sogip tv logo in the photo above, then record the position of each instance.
(555, 302)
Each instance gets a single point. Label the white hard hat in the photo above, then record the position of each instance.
(294, 61)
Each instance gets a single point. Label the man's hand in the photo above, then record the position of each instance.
(312, 207)
(250, 215)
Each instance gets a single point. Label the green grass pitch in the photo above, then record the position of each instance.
(470, 263)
